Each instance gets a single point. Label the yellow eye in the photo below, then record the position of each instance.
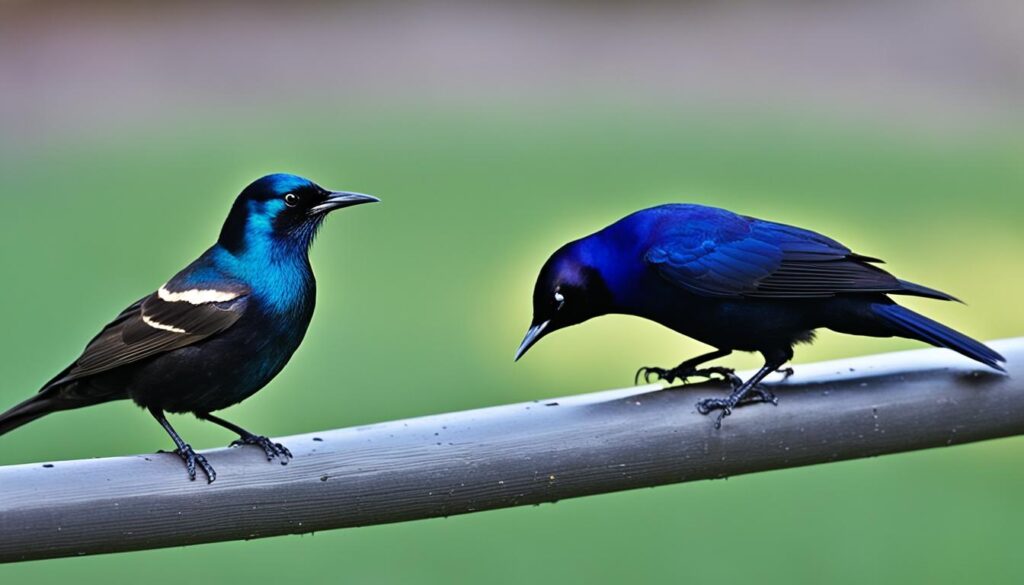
(291, 200)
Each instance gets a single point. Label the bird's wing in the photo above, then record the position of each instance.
(727, 255)
(162, 322)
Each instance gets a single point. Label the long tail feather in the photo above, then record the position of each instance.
(907, 323)
(918, 290)
(28, 411)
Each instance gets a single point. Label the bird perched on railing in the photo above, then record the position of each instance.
(218, 331)
(734, 283)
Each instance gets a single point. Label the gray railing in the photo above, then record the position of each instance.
(513, 455)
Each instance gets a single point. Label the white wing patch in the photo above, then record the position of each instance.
(196, 296)
(156, 325)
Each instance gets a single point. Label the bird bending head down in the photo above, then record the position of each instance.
(735, 283)
(569, 290)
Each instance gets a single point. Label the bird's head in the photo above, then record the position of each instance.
(569, 290)
(282, 209)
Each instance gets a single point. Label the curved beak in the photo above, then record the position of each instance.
(532, 337)
(339, 199)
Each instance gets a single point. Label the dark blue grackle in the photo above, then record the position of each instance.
(218, 331)
(734, 283)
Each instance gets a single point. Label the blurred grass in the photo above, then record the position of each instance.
(424, 298)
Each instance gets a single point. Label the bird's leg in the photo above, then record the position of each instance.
(184, 450)
(688, 369)
(270, 448)
(746, 393)
(762, 394)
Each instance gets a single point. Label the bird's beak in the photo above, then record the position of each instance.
(532, 337)
(339, 199)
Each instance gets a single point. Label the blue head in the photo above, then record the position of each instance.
(570, 289)
(282, 212)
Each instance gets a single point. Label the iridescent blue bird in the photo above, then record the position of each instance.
(733, 282)
(215, 333)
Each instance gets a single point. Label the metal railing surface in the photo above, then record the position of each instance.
(514, 455)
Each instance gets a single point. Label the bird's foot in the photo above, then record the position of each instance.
(786, 373)
(758, 394)
(683, 374)
(273, 450)
(192, 460)
(725, 406)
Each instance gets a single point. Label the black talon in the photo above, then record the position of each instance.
(708, 405)
(759, 394)
(740, 397)
(683, 375)
(689, 369)
(658, 373)
(192, 459)
(184, 450)
(725, 374)
(271, 449)
(743, 393)
(718, 421)
(748, 392)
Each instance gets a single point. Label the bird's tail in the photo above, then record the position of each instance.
(39, 405)
(907, 323)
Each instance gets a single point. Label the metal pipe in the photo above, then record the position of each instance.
(513, 455)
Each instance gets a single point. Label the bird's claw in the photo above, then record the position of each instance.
(271, 449)
(724, 374)
(647, 371)
(725, 406)
(708, 405)
(759, 394)
(684, 374)
(786, 373)
(192, 460)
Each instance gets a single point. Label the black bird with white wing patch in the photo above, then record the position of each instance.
(218, 331)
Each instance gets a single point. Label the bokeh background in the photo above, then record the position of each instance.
(494, 133)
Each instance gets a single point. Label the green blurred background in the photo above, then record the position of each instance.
(494, 134)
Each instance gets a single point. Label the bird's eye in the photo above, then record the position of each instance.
(291, 200)
(559, 297)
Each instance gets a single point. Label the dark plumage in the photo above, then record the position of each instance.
(218, 331)
(732, 282)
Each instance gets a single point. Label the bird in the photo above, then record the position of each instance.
(218, 331)
(735, 283)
